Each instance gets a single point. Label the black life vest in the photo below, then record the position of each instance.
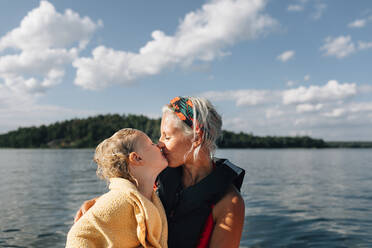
(188, 208)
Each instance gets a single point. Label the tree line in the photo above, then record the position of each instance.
(78, 133)
(89, 132)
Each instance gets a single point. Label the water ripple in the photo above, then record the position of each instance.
(293, 198)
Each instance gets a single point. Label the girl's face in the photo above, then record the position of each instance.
(150, 153)
(173, 142)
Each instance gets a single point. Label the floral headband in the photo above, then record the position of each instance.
(183, 108)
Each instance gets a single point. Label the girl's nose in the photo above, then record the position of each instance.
(160, 145)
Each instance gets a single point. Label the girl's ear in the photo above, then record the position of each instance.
(134, 159)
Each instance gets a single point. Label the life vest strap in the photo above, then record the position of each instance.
(206, 234)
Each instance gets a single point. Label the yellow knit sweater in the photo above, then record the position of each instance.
(123, 217)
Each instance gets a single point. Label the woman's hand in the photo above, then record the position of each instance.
(84, 208)
(228, 215)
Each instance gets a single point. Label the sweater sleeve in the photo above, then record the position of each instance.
(111, 222)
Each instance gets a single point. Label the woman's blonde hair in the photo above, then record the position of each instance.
(111, 155)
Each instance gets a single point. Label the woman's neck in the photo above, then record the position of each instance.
(197, 170)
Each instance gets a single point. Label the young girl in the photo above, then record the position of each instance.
(131, 213)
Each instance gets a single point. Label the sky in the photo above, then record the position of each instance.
(289, 67)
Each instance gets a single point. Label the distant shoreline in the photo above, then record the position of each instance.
(89, 132)
(224, 148)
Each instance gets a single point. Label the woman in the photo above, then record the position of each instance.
(131, 213)
(200, 194)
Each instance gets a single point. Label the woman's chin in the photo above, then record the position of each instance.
(173, 165)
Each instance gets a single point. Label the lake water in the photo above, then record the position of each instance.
(293, 197)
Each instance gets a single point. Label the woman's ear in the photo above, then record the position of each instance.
(134, 159)
(197, 140)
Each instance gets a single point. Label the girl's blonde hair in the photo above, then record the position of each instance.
(111, 155)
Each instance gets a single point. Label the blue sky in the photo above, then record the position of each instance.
(299, 67)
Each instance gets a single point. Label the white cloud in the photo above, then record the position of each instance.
(319, 10)
(273, 112)
(317, 13)
(330, 92)
(33, 59)
(43, 45)
(43, 27)
(308, 98)
(241, 97)
(365, 89)
(343, 46)
(298, 6)
(361, 107)
(290, 83)
(301, 108)
(201, 36)
(330, 111)
(13, 97)
(35, 71)
(340, 47)
(345, 110)
(359, 23)
(338, 112)
(285, 56)
(364, 45)
(295, 7)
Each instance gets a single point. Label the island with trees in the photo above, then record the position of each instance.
(88, 132)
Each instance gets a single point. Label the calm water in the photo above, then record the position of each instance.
(294, 198)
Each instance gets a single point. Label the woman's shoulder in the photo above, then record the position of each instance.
(232, 203)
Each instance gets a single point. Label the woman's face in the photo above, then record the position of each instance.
(173, 142)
